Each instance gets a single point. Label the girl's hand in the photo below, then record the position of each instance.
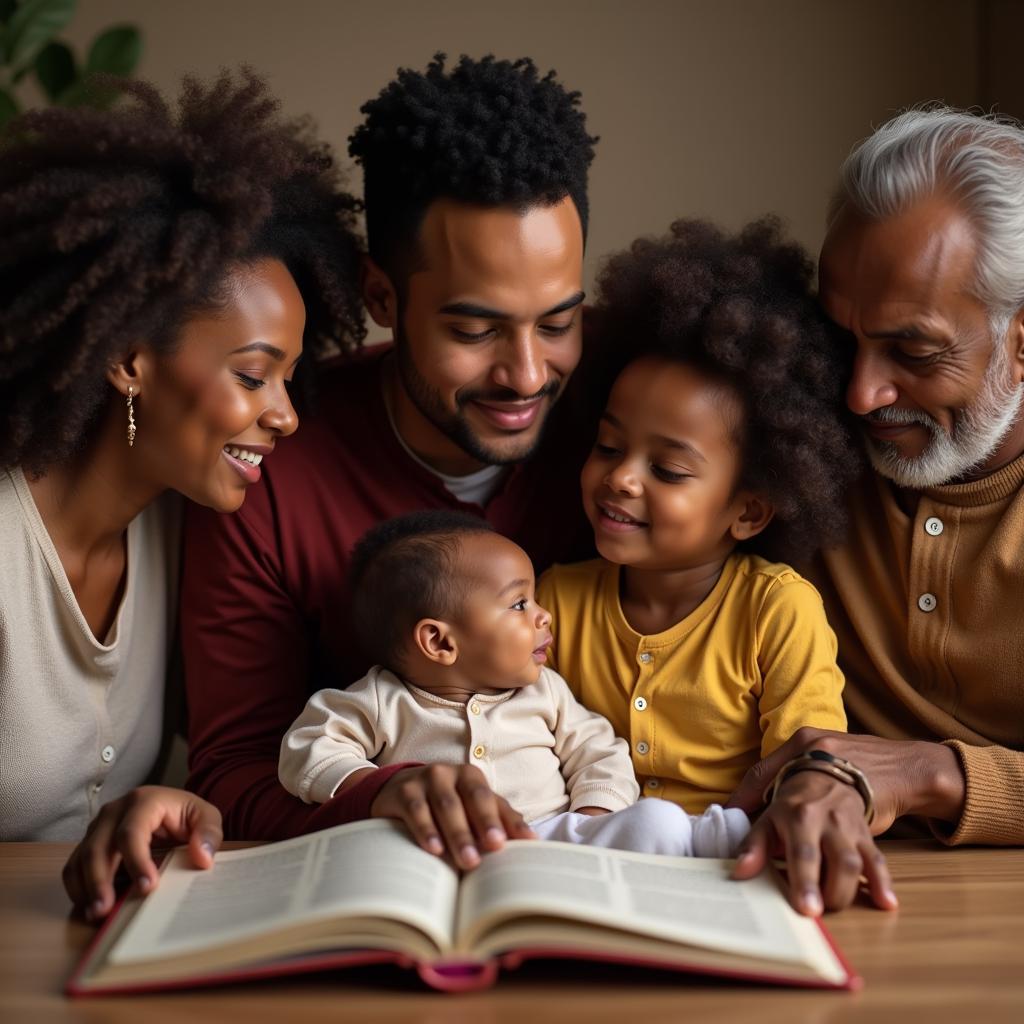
(123, 831)
(451, 807)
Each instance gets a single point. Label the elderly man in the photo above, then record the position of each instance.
(923, 268)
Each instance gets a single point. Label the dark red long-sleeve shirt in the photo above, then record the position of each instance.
(264, 617)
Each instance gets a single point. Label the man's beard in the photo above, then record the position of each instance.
(454, 425)
(977, 431)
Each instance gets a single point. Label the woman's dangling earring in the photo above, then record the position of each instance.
(131, 418)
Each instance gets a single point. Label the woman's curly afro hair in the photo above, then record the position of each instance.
(485, 131)
(741, 310)
(118, 225)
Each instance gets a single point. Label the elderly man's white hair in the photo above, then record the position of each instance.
(978, 161)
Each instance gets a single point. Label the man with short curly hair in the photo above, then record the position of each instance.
(476, 210)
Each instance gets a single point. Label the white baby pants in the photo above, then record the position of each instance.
(652, 826)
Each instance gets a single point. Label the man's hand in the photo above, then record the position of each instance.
(450, 807)
(123, 831)
(818, 824)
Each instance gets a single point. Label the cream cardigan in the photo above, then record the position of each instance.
(81, 719)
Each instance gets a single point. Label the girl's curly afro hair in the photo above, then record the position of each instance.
(741, 310)
(116, 226)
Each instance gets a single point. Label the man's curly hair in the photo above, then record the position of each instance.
(486, 131)
(118, 225)
(741, 310)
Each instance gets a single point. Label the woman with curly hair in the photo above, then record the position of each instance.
(720, 447)
(160, 274)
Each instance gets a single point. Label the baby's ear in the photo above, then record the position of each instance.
(435, 640)
(755, 514)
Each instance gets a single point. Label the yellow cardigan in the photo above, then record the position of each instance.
(702, 701)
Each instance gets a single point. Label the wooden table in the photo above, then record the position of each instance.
(954, 951)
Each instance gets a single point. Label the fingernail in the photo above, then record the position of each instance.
(469, 855)
(890, 897)
(144, 883)
(94, 910)
(434, 845)
(812, 902)
(744, 855)
(495, 835)
(207, 847)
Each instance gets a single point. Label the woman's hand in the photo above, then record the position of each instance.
(817, 822)
(450, 807)
(123, 831)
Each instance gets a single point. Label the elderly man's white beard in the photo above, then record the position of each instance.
(977, 432)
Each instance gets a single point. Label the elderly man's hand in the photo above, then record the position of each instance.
(817, 823)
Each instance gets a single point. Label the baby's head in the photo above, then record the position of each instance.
(725, 423)
(447, 603)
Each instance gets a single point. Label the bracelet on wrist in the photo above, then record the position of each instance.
(838, 768)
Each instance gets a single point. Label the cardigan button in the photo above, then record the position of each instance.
(933, 526)
(927, 602)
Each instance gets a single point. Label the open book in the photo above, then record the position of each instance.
(364, 893)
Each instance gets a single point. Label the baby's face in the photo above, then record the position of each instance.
(659, 487)
(502, 633)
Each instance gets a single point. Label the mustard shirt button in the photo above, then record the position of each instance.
(640, 704)
(643, 747)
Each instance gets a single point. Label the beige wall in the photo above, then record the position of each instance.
(719, 108)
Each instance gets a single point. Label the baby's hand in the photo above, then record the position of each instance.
(592, 811)
(451, 806)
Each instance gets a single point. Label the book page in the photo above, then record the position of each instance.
(686, 900)
(368, 869)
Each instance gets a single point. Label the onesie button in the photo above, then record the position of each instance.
(475, 708)
(645, 657)
(107, 754)
(479, 750)
(643, 747)
(927, 602)
(640, 704)
(933, 526)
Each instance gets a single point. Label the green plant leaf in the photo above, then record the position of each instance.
(55, 68)
(115, 51)
(33, 24)
(8, 107)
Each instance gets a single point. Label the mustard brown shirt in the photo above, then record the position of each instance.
(704, 700)
(927, 600)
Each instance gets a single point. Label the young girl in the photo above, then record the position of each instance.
(720, 443)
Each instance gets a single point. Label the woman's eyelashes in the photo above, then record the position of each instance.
(252, 383)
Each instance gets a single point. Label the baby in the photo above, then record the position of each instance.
(446, 606)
